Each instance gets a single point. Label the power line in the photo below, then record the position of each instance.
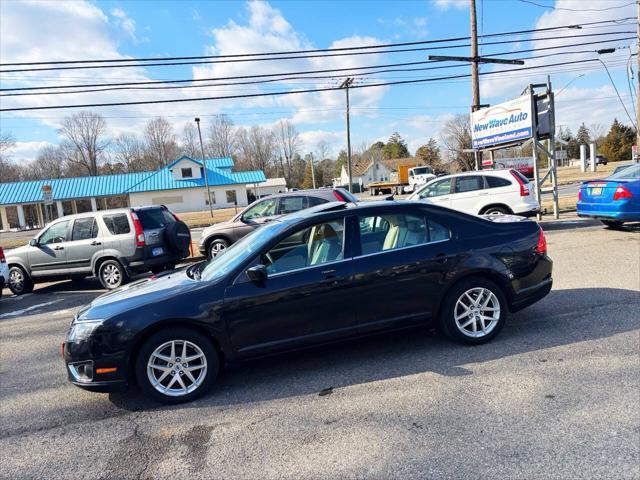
(307, 72)
(296, 52)
(321, 77)
(577, 9)
(617, 93)
(283, 93)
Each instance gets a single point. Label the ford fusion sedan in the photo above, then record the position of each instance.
(614, 200)
(328, 273)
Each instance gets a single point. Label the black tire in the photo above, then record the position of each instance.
(447, 322)
(180, 335)
(112, 274)
(217, 246)
(19, 281)
(613, 224)
(178, 237)
(496, 210)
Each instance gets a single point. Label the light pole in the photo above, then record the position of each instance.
(313, 173)
(346, 84)
(204, 168)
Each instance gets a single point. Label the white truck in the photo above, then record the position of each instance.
(418, 176)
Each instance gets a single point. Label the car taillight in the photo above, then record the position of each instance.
(580, 195)
(524, 191)
(137, 226)
(541, 247)
(339, 196)
(621, 193)
(3, 259)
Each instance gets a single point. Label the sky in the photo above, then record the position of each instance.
(35, 31)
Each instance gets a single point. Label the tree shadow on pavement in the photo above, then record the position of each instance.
(564, 317)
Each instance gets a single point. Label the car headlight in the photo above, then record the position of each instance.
(81, 329)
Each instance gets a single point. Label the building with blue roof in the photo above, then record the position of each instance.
(180, 186)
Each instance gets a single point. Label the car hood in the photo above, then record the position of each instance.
(216, 227)
(17, 251)
(152, 290)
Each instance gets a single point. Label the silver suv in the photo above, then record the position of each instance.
(110, 244)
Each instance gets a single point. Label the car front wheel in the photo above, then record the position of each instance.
(612, 224)
(474, 311)
(19, 281)
(176, 365)
(217, 247)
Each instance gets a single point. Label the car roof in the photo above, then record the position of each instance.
(352, 207)
(90, 214)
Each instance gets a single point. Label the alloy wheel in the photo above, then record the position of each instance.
(477, 312)
(177, 368)
(16, 280)
(111, 275)
(217, 248)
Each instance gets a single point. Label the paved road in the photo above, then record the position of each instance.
(556, 395)
(570, 190)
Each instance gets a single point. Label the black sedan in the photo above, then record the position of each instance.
(328, 273)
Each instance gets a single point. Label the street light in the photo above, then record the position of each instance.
(204, 168)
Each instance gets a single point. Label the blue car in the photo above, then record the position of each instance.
(614, 200)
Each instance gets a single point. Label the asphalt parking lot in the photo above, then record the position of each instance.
(556, 395)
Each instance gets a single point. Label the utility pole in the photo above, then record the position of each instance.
(638, 84)
(313, 173)
(204, 168)
(474, 59)
(346, 84)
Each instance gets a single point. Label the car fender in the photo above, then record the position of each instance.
(13, 260)
(108, 253)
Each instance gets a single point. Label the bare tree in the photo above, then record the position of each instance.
(85, 133)
(456, 137)
(256, 148)
(289, 143)
(190, 143)
(129, 150)
(9, 172)
(322, 150)
(51, 162)
(222, 140)
(598, 131)
(160, 141)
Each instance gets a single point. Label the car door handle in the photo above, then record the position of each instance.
(484, 193)
(329, 274)
(58, 248)
(96, 243)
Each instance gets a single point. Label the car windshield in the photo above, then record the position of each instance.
(220, 265)
(422, 170)
(631, 172)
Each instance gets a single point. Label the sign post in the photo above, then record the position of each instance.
(47, 197)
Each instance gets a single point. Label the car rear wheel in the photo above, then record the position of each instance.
(112, 274)
(474, 311)
(19, 281)
(613, 224)
(176, 365)
(217, 247)
(496, 211)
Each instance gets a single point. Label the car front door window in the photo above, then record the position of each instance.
(56, 233)
(311, 246)
(266, 208)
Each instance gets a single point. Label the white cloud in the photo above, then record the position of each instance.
(26, 151)
(125, 22)
(311, 138)
(447, 4)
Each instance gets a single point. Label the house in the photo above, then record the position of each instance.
(180, 186)
(366, 172)
(269, 187)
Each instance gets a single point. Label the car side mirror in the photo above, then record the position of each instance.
(257, 273)
(33, 242)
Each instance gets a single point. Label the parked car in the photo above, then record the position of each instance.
(619, 168)
(482, 192)
(4, 271)
(110, 244)
(332, 272)
(601, 160)
(217, 238)
(614, 200)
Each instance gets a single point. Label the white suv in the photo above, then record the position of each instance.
(482, 192)
(4, 271)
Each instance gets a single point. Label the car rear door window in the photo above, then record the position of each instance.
(311, 246)
(496, 182)
(469, 184)
(313, 201)
(389, 232)
(117, 224)
(84, 229)
(292, 204)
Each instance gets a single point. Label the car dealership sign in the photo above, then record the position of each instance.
(504, 123)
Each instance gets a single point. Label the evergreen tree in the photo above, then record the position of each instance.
(429, 154)
(396, 147)
(583, 137)
(618, 142)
